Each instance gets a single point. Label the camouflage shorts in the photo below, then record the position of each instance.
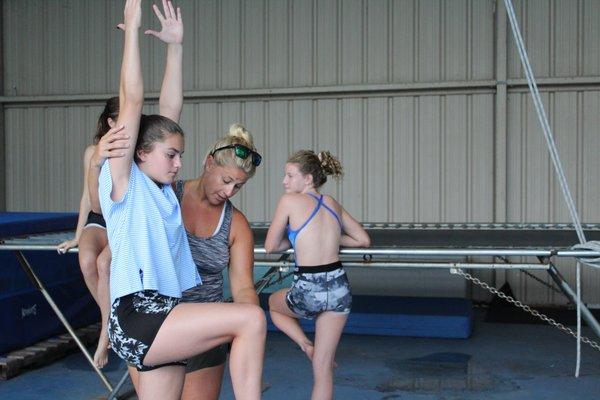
(315, 292)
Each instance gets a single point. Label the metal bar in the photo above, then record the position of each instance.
(500, 125)
(421, 265)
(38, 284)
(265, 281)
(474, 252)
(571, 295)
(32, 247)
(459, 252)
(115, 392)
(379, 90)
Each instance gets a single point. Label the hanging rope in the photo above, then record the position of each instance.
(539, 107)
(591, 246)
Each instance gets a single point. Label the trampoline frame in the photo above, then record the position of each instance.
(392, 257)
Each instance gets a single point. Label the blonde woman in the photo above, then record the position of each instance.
(220, 238)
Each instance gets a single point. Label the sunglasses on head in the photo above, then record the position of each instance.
(242, 152)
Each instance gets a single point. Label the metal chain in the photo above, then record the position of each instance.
(532, 276)
(524, 307)
(535, 278)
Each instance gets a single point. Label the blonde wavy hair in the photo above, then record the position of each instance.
(238, 134)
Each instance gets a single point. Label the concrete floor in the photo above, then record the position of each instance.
(500, 361)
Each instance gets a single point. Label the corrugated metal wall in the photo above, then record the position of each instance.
(424, 102)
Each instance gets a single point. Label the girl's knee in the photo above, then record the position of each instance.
(275, 300)
(256, 319)
(87, 263)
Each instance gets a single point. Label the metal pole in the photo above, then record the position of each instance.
(113, 394)
(420, 265)
(38, 284)
(572, 296)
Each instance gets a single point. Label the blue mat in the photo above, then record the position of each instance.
(26, 317)
(21, 223)
(433, 317)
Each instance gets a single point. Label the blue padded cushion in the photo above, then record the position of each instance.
(435, 317)
(21, 223)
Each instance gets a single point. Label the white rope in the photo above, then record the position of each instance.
(593, 246)
(539, 107)
(578, 361)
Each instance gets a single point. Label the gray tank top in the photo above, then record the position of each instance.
(211, 256)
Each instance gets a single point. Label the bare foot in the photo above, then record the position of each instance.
(308, 348)
(101, 355)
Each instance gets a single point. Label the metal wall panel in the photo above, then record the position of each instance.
(408, 103)
(532, 189)
(234, 44)
(534, 194)
(373, 137)
(561, 37)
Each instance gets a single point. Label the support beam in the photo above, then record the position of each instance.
(500, 129)
(2, 125)
(572, 296)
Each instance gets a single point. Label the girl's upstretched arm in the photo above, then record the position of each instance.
(171, 92)
(131, 98)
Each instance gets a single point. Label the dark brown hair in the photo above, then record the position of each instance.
(154, 128)
(111, 110)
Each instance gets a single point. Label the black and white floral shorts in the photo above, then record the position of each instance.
(134, 322)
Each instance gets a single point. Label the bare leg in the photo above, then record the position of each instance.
(94, 261)
(329, 326)
(192, 328)
(203, 384)
(93, 240)
(287, 322)
(163, 383)
(103, 263)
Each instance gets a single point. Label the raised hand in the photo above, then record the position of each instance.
(132, 14)
(171, 24)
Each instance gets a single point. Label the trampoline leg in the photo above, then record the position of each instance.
(572, 296)
(115, 392)
(38, 284)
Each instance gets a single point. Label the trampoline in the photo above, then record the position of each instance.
(395, 246)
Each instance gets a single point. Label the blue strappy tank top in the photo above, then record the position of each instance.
(292, 234)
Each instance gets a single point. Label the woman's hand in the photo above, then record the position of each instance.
(66, 245)
(171, 31)
(111, 145)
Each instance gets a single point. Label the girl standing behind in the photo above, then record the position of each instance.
(315, 226)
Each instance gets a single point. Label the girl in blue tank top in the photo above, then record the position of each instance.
(315, 226)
